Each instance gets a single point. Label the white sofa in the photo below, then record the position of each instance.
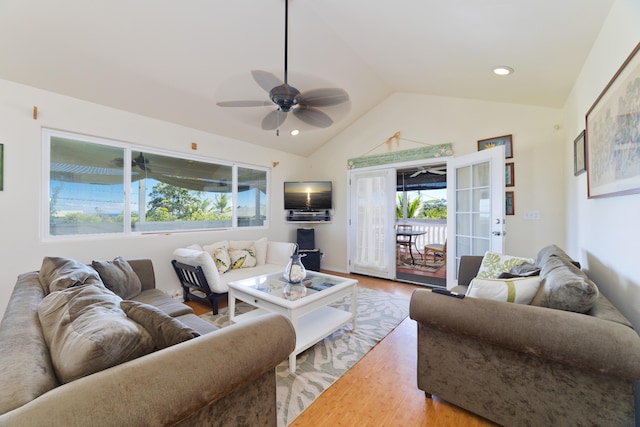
(270, 257)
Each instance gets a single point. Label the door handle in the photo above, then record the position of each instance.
(496, 233)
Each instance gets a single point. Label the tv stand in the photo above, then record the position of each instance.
(308, 215)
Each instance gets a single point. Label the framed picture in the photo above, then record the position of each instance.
(505, 140)
(510, 179)
(579, 163)
(612, 138)
(1, 167)
(509, 206)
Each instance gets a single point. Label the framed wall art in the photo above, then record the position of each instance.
(510, 178)
(505, 140)
(509, 204)
(579, 161)
(612, 137)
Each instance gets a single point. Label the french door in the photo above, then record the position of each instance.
(371, 243)
(476, 207)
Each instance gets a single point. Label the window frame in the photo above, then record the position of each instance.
(128, 148)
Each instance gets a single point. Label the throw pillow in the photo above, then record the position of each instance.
(86, 331)
(216, 245)
(119, 277)
(243, 258)
(493, 264)
(222, 260)
(260, 246)
(57, 273)
(565, 287)
(164, 329)
(516, 290)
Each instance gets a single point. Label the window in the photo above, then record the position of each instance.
(97, 186)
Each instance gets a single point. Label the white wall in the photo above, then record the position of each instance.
(539, 157)
(604, 234)
(21, 246)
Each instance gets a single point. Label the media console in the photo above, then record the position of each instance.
(307, 216)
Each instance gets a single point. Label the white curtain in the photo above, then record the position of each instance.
(372, 198)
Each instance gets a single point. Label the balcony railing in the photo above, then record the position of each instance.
(435, 231)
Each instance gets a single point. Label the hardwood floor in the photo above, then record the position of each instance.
(381, 390)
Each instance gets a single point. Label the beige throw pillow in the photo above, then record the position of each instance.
(519, 290)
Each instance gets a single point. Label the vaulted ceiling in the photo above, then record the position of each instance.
(174, 60)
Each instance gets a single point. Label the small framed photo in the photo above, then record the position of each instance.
(510, 179)
(509, 204)
(505, 140)
(579, 163)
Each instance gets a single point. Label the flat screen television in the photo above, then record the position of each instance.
(308, 195)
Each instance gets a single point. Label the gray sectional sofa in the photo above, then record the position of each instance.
(538, 364)
(175, 368)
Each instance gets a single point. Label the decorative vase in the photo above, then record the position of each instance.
(294, 274)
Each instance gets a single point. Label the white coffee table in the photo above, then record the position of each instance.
(312, 317)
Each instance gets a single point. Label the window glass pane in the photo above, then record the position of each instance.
(481, 175)
(86, 188)
(463, 177)
(463, 200)
(252, 197)
(169, 193)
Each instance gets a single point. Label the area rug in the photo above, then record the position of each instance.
(430, 267)
(321, 365)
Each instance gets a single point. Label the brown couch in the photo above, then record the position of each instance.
(528, 365)
(222, 377)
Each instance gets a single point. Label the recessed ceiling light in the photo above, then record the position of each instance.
(295, 132)
(502, 70)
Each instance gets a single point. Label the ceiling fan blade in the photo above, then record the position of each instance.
(437, 172)
(266, 80)
(244, 103)
(324, 97)
(413, 175)
(313, 117)
(273, 120)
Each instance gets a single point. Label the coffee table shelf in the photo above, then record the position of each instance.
(311, 316)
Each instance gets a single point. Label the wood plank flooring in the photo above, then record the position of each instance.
(381, 389)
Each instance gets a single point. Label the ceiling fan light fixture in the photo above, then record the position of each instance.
(502, 70)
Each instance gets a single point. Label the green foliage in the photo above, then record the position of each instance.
(169, 203)
(412, 207)
(434, 209)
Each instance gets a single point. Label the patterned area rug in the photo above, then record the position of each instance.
(430, 267)
(321, 365)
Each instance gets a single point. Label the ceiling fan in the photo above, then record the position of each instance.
(304, 105)
(437, 170)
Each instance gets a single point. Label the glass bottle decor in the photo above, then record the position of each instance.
(294, 274)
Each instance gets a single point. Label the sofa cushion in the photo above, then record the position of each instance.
(119, 277)
(493, 264)
(517, 290)
(86, 331)
(164, 330)
(565, 287)
(243, 258)
(58, 273)
(279, 253)
(204, 260)
(164, 302)
(216, 245)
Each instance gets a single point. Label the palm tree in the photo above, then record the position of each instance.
(413, 207)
